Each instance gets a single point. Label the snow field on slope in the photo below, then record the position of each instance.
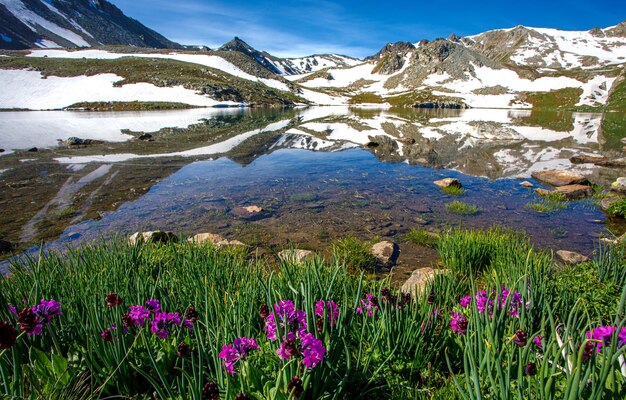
(27, 89)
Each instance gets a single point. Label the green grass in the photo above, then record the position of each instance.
(129, 106)
(355, 254)
(453, 190)
(554, 100)
(366, 98)
(420, 237)
(617, 208)
(617, 99)
(548, 203)
(402, 350)
(458, 207)
(304, 197)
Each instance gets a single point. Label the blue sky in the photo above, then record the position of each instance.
(352, 27)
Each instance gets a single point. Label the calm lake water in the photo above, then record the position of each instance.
(319, 173)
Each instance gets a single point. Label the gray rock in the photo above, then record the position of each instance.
(152, 237)
(571, 258)
(447, 182)
(249, 212)
(559, 177)
(295, 256)
(619, 185)
(418, 280)
(606, 202)
(214, 239)
(386, 253)
(615, 163)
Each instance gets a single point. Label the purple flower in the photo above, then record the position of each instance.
(483, 303)
(153, 305)
(465, 301)
(46, 309)
(29, 322)
(313, 350)
(163, 323)
(333, 311)
(289, 318)
(107, 336)
(187, 323)
(458, 323)
(520, 338)
(537, 342)
(588, 351)
(603, 335)
(12, 309)
(287, 349)
(369, 304)
(530, 369)
(138, 315)
(232, 353)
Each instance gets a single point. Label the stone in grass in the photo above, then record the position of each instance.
(543, 192)
(296, 256)
(386, 253)
(448, 182)
(214, 239)
(619, 185)
(418, 280)
(559, 177)
(571, 258)
(606, 202)
(152, 237)
(575, 192)
(526, 184)
(585, 159)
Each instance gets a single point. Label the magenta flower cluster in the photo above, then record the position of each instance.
(458, 323)
(32, 319)
(290, 326)
(161, 323)
(369, 305)
(603, 335)
(486, 303)
(232, 353)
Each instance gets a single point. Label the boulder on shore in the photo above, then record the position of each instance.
(571, 258)
(448, 182)
(575, 192)
(418, 280)
(615, 163)
(559, 177)
(214, 239)
(386, 253)
(584, 159)
(152, 237)
(619, 185)
(295, 256)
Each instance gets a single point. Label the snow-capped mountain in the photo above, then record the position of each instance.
(72, 23)
(289, 66)
(552, 48)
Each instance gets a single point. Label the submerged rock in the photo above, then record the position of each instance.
(418, 280)
(296, 255)
(152, 237)
(526, 184)
(386, 253)
(447, 182)
(214, 239)
(249, 212)
(559, 177)
(571, 258)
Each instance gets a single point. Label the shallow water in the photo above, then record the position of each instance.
(320, 173)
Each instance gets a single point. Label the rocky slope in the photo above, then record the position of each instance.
(72, 23)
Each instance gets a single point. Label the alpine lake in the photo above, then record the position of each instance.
(318, 174)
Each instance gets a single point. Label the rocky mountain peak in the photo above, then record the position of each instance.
(617, 31)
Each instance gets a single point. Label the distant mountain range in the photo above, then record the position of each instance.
(520, 67)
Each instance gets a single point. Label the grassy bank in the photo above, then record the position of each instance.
(502, 322)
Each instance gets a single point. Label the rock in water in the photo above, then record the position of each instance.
(214, 239)
(526, 184)
(575, 192)
(296, 256)
(571, 258)
(249, 212)
(559, 178)
(152, 237)
(386, 253)
(447, 182)
(619, 185)
(418, 280)
(543, 192)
